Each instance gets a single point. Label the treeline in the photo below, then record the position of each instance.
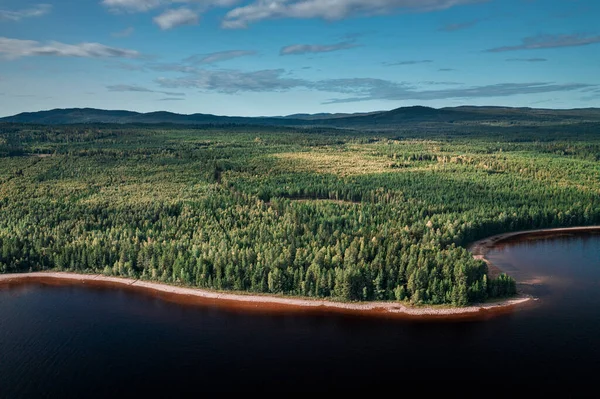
(10, 145)
(305, 254)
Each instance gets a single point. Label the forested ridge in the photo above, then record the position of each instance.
(317, 212)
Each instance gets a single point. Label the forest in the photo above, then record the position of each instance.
(311, 212)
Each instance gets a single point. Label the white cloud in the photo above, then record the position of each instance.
(35, 11)
(259, 10)
(16, 48)
(329, 9)
(316, 48)
(147, 5)
(178, 17)
(133, 5)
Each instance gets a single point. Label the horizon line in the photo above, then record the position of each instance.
(296, 113)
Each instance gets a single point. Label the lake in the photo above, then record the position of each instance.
(65, 340)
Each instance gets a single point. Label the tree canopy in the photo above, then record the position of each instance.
(317, 212)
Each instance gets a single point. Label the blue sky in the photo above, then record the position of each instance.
(276, 57)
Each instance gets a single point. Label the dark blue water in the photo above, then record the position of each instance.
(74, 341)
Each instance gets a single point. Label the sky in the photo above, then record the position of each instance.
(280, 57)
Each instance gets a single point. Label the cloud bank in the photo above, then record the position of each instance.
(354, 89)
(234, 81)
(140, 89)
(459, 26)
(260, 10)
(541, 42)
(409, 62)
(296, 49)
(526, 59)
(35, 11)
(133, 5)
(16, 48)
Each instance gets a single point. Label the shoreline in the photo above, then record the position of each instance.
(480, 248)
(266, 302)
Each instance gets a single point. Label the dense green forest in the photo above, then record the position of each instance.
(310, 212)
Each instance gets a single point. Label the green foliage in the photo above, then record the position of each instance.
(502, 287)
(316, 213)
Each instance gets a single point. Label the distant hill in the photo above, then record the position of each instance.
(322, 116)
(384, 119)
(90, 115)
(472, 115)
(589, 114)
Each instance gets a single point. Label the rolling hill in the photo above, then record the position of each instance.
(406, 115)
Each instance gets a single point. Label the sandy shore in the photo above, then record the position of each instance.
(387, 308)
(271, 302)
